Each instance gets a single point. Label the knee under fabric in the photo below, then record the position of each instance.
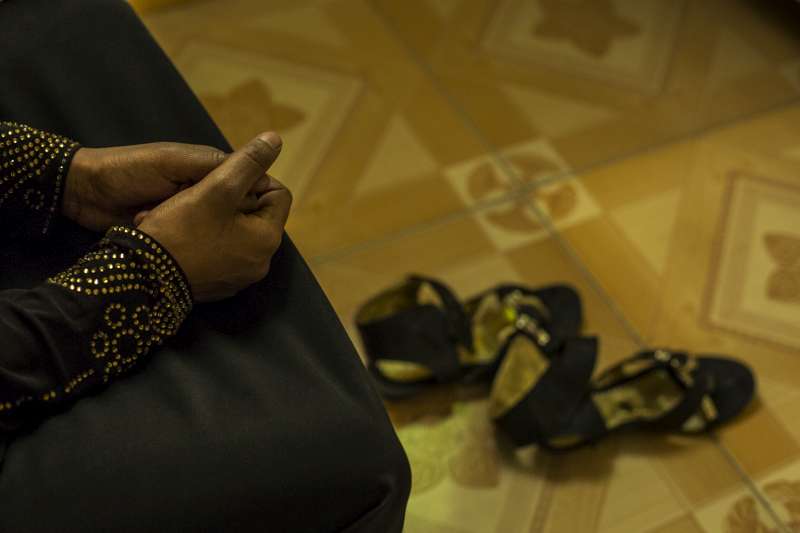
(258, 414)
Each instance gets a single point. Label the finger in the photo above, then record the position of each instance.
(188, 163)
(275, 205)
(139, 217)
(249, 204)
(274, 185)
(261, 186)
(233, 179)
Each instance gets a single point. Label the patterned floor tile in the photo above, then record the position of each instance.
(603, 79)
(698, 245)
(738, 512)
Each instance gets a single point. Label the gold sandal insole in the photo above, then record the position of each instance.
(492, 321)
(645, 398)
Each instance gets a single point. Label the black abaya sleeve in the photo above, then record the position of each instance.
(86, 325)
(93, 321)
(33, 167)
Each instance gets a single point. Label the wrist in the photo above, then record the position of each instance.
(167, 272)
(78, 187)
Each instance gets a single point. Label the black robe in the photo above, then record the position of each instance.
(131, 408)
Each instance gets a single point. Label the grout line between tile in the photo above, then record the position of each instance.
(587, 274)
(413, 229)
(751, 485)
(493, 151)
(637, 152)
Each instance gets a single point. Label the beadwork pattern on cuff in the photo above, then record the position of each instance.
(129, 261)
(34, 166)
(74, 384)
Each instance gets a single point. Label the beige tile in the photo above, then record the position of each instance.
(782, 488)
(761, 441)
(695, 467)
(603, 79)
(738, 512)
(683, 524)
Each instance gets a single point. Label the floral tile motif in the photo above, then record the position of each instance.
(236, 107)
(460, 448)
(755, 285)
(626, 42)
(515, 223)
(568, 21)
(743, 515)
(741, 512)
(245, 93)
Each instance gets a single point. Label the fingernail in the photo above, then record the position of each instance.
(272, 139)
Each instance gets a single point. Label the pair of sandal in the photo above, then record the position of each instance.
(527, 343)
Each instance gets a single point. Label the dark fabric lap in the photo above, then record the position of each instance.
(259, 414)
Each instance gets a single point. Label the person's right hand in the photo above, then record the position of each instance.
(221, 241)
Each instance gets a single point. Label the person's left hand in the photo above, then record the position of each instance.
(109, 186)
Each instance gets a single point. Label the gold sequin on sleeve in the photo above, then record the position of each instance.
(33, 167)
(89, 324)
(143, 296)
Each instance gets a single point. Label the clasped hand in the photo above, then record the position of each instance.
(221, 216)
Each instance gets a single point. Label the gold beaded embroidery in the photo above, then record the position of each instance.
(128, 330)
(26, 155)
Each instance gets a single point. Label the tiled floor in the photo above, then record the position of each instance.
(647, 151)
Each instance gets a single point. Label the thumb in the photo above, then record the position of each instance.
(139, 217)
(234, 178)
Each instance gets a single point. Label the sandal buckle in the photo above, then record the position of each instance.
(682, 369)
(526, 323)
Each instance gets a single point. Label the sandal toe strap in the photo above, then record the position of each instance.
(696, 386)
(457, 323)
(542, 411)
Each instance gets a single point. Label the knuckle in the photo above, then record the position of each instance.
(217, 156)
(271, 240)
(278, 239)
(258, 270)
(264, 270)
(225, 186)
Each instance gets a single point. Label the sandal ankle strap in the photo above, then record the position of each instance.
(425, 334)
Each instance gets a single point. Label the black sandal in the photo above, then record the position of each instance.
(656, 390)
(418, 334)
(533, 395)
